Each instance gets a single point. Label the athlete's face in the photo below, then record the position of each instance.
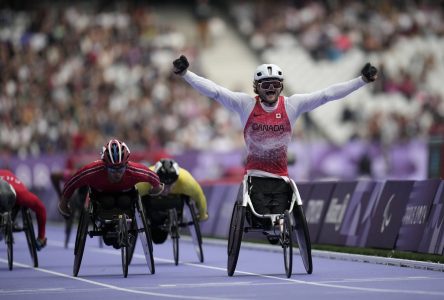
(269, 90)
(115, 174)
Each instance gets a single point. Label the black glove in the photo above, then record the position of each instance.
(180, 65)
(369, 73)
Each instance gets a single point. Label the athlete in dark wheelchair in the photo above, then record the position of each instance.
(118, 218)
(116, 212)
(181, 205)
(273, 207)
(10, 213)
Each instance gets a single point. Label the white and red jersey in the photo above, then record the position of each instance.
(263, 137)
(267, 135)
(95, 175)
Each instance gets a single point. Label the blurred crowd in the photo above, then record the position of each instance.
(72, 77)
(400, 37)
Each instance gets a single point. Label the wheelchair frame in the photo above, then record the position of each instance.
(128, 226)
(177, 220)
(290, 229)
(7, 220)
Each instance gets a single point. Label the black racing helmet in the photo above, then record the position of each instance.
(167, 170)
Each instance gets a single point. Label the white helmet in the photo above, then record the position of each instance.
(267, 71)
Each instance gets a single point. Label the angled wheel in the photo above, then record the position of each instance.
(9, 240)
(174, 233)
(145, 236)
(132, 240)
(82, 232)
(195, 231)
(28, 227)
(123, 241)
(235, 237)
(287, 243)
(302, 236)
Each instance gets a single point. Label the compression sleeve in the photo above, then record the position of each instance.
(238, 102)
(300, 103)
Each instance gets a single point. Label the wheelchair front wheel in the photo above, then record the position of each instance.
(303, 238)
(124, 243)
(132, 240)
(145, 237)
(9, 240)
(287, 244)
(235, 237)
(28, 227)
(195, 232)
(82, 232)
(174, 233)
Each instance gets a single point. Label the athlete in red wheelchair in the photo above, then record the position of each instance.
(112, 206)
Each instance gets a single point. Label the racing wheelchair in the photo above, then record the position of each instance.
(283, 228)
(167, 217)
(118, 218)
(8, 220)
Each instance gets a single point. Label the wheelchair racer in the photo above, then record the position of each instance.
(27, 199)
(114, 172)
(177, 181)
(268, 119)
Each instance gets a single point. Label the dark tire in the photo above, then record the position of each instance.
(79, 230)
(302, 236)
(235, 237)
(28, 227)
(145, 237)
(287, 243)
(124, 243)
(82, 232)
(174, 233)
(195, 232)
(9, 239)
(132, 240)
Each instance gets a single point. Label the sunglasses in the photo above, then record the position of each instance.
(267, 84)
(120, 169)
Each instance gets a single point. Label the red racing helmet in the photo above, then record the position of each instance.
(115, 153)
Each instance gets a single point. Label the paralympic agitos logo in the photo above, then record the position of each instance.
(265, 127)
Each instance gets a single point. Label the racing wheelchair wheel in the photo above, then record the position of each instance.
(287, 243)
(145, 237)
(79, 248)
(9, 240)
(235, 236)
(174, 233)
(195, 231)
(303, 237)
(28, 227)
(132, 240)
(124, 243)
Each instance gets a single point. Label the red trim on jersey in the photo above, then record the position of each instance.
(267, 135)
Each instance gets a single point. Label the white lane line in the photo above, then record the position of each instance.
(320, 284)
(362, 289)
(109, 286)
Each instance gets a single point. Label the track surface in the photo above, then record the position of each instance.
(259, 275)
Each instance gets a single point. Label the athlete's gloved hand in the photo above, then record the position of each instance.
(369, 73)
(180, 65)
(64, 208)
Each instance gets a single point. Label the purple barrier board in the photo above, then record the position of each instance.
(220, 201)
(415, 217)
(387, 214)
(433, 236)
(340, 199)
(225, 208)
(357, 218)
(316, 207)
(304, 189)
